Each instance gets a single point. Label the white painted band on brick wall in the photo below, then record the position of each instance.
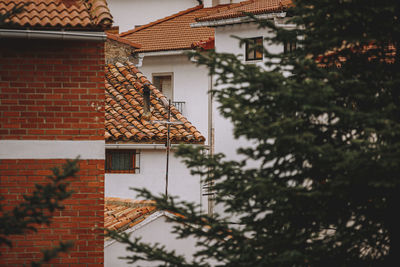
(49, 149)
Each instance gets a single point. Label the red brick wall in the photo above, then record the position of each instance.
(51, 90)
(54, 90)
(78, 222)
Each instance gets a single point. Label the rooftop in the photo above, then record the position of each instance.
(173, 32)
(121, 214)
(254, 7)
(82, 14)
(125, 120)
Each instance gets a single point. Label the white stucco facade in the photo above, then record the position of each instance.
(130, 13)
(151, 230)
(152, 177)
(226, 43)
(190, 85)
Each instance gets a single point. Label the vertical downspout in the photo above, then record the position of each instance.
(210, 190)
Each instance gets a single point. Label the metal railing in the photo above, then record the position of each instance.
(180, 105)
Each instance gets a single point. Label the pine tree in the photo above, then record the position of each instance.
(326, 121)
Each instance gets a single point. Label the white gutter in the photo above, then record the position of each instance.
(163, 53)
(223, 22)
(53, 35)
(143, 146)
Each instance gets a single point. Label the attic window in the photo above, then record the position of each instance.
(122, 161)
(254, 48)
(163, 82)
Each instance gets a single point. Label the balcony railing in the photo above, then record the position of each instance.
(180, 105)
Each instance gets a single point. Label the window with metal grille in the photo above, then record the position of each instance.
(254, 48)
(122, 161)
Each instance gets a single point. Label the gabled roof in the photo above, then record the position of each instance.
(254, 7)
(124, 119)
(121, 214)
(82, 14)
(173, 32)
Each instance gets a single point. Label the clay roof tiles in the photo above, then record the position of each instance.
(173, 32)
(254, 7)
(85, 14)
(124, 110)
(121, 214)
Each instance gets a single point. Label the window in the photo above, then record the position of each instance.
(122, 161)
(163, 82)
(289, 47)
(254, 48)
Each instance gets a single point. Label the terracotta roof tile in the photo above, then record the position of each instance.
(204, 44)
(59, 13)
(252, 6)
(124, 110)
(173, 32)
(121, 214)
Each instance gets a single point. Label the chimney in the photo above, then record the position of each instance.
(146, 99)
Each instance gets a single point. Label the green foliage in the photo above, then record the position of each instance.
(326, 123)
(38, 208)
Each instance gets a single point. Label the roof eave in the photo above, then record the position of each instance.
(55, 35)
(238, 20)
(154, 146)
(152, 217)
(174, 52)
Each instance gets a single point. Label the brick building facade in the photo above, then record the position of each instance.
(52, 109)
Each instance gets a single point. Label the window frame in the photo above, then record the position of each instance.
(161, 74)
(254, 48)
(135, 160)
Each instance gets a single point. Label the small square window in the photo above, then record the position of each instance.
(122, 161)
(254, 48)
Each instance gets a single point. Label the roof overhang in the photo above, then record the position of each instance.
(53, 35)
(230, 21)
(146, 146)
(164, 53)
(146, 221)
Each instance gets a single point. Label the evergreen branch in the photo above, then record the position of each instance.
(38, 208)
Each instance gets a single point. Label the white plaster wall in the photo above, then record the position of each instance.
(210, 3)
(158, 231)
(152, 177)
(51, 149)
(225, 43)
(128, 13)
(190, 84)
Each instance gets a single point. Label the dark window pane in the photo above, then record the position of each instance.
(259, 48)
(254, 48)
(123, 161)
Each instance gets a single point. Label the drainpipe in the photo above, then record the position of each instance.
(140, 60)
(53, 35)
(210, 193)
